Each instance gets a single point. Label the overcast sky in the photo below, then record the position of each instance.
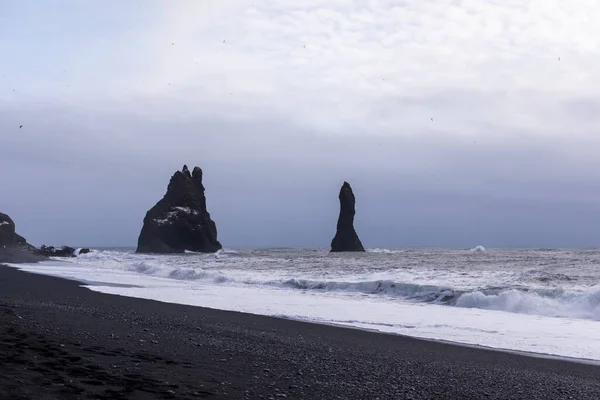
(457, 123)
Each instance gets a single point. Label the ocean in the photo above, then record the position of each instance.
(542, 301)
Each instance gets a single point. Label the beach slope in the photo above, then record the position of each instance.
(61, 341)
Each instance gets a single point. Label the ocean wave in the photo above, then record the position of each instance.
(218, 254)
(478, 249)
(550, 303)
(189, 274)
(384, 251)
(102, 256)
(544, 302)
(143, 267)
(546, 276)
(535, 291)
(414, 292)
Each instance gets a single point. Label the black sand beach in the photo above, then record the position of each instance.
(61, 341)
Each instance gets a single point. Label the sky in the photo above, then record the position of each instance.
(457, 123)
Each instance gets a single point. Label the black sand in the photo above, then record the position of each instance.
(61, 341)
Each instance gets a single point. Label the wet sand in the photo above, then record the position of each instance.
(61, 341)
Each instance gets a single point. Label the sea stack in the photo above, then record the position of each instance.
(346, 238)
(180, 221)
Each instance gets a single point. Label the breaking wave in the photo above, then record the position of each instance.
(384, 251)
(548, 298)
(545, 302)
(478, 249)
(414, 292)
(550, 303)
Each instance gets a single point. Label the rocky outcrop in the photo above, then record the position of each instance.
(9, 238)
(346, 238)
(13, 247)
(180, 221)
(51, 251)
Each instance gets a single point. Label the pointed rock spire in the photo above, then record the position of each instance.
(346, 238)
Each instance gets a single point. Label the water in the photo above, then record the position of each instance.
(543, 301)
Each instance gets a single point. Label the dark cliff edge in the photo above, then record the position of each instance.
(13, 247)
(180, 220)
(346, 238)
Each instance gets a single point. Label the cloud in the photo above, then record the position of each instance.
(442, 111)
(335, 64)
(340, 58)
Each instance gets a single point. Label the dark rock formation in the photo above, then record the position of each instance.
(84, 251)
(180, 221)
(346, 238)
(9, 238)
(51, 251)
(13, 247)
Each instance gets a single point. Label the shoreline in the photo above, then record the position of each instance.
(88, 285)
(106, 346)
(585, 361)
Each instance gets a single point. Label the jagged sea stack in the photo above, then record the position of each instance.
(180, 221)
(346, 238)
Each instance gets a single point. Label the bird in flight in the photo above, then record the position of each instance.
(20, 126)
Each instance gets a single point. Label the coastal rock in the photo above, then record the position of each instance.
(13, 247)
(180, 221)
(84, 251)
(9, 238)
(51, 251)
(346, 238)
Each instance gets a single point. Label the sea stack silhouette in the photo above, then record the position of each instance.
(180, 221)
(346, 238)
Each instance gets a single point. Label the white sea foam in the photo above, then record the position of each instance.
(570, 304)
(478, 249)
(384, 251)
(529, 300)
